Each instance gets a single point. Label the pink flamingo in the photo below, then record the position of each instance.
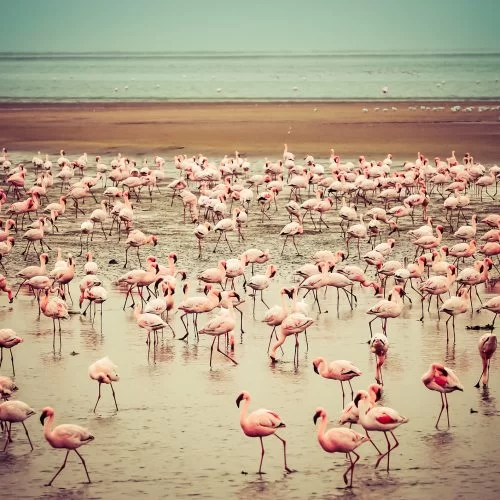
(379, 344)
(260, 423)
(8, 339)
(437, 285)
(487, 346)
(379, 418)
(138, 239)
(340, 370)
(198, 305)
(68, 436)
(4, 287)
(104, 371)
(222, 324)
(291, 230)
(340, 440)
(458, 304)
(391, 307)
(55, 308)
(15, 411)
(442, 379)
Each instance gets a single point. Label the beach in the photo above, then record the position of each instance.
(256, 129)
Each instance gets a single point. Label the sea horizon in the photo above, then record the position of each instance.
(242, 76)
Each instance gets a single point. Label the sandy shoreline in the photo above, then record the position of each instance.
(255, 129)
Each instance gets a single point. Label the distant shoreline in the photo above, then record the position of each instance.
(256, 129)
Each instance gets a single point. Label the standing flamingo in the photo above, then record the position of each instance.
(222, 324)
(290, 231)
(391, 307)
(379, 418)
(458, 304)
(8, 339)
(68, 436)
(260, 423)
(138, 239)
(104, 371)
(487, 346)
(340, 440)
(442, 379)
(340, 370)
(15, 411)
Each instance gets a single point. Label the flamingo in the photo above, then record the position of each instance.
(68, 436)
(201, 231)
(291, 230)
(358, 231)
(32, 271)
(487, 345)
(222, 324)
(493, 305)
(4, 287)
(442, 379)
(138, 239)
(224, 226)
(391, 307)
(379, 418)
(379, 344)
(15, 411)
(8, 339)
(340, 370)
(104, 371)
(437, 285)
(7, 387)
(293, 324)
(150, 322)
(350, 413)
(260, 423)
(55, 308)
(197, 305)
(467, 232)
(458, 304)
(95, 294)
(6, 248)
(255, 256)
(276, 314)
(261, 282)
(340, 440)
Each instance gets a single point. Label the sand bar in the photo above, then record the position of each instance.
(256, 129)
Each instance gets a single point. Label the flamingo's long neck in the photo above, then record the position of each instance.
(47, 428)
(321, 429)
(243, 412)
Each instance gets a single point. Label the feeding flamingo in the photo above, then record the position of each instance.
(104, 371)
(487, 345)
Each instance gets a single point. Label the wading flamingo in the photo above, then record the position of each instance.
(340, 440)
(442, 379)
(68, 436)
(260, 423)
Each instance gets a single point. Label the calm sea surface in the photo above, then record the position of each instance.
(230, 77)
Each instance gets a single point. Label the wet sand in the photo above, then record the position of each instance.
(255, 129)
(177, 429)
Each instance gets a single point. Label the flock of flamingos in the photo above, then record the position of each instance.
(366, 202)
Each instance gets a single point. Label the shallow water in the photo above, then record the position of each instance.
(177, 430)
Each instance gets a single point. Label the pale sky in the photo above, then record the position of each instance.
(250, 25)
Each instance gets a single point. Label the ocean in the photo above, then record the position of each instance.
(205, 77)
